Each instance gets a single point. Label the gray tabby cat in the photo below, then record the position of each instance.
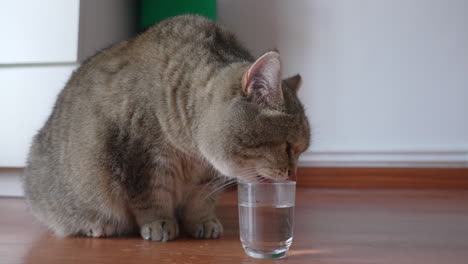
(145, 132)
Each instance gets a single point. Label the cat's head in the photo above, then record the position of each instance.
(262, 129)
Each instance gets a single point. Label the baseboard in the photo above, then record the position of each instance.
(385, 167)
(384, 178)
(454, 157)
(10, 182)
(332, 178)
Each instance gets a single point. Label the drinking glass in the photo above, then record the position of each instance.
(266, 218)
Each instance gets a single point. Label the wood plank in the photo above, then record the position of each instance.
(331, 226)
(384, 178)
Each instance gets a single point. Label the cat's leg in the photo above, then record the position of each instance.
(198, 216)
(154, 211)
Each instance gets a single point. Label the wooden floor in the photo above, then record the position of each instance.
(332, 226)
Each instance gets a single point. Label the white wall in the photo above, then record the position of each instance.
(385, 81)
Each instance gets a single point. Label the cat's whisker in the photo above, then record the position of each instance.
(212, 181)
(218, 189)
(221, 181)
(247, 171)
(216, 185)
(252, 173)
(249, 177)
(252, 178)
(247, 174)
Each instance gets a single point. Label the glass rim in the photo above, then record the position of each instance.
(268, 183)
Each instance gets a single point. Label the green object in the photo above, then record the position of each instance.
(153, 11)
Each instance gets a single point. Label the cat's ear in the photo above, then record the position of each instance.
(294, 82)
(262, 82)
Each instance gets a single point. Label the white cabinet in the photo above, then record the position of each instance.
(39, 31)
(42, 43)
(27, 98)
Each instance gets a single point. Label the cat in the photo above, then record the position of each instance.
(146, 132)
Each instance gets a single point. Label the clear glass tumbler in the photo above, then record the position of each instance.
(266, 218)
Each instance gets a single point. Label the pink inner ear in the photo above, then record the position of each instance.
(266, 69)
(262, 82)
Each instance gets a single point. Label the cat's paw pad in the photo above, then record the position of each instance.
(160, 230)
(211, 228)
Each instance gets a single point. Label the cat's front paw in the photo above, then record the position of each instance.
(211, 228)
(160, 230)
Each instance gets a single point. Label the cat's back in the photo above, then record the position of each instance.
(189, 38)
(183, 30)
(155, 53)
(176, 28)
(105, 87)
(163, 52)
(188, 47)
